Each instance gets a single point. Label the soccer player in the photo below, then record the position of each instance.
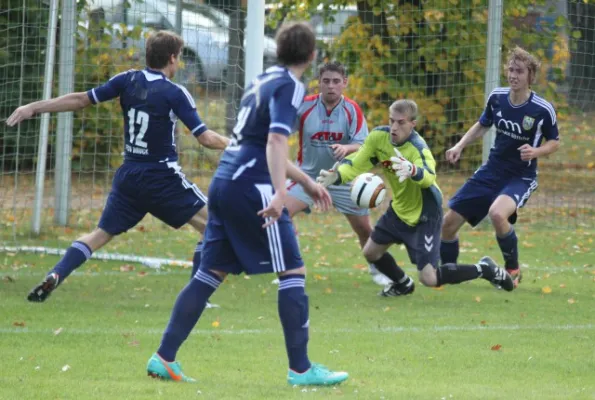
(150, 179)
(415, 216)
(248, 229)
(523, 121)
(331, 126)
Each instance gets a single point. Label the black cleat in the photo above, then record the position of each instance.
(496, 275)
(398, 289)
(44, 289)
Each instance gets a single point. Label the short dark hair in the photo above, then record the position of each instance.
(160, 47)
(334, 66)
(295, 43)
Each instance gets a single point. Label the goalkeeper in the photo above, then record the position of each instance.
(415, 215)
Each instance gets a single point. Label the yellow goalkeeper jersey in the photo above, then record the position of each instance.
(411, 196)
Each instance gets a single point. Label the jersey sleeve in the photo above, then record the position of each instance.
(184, 107)
(283, 107)
(426, 167)
(487, 116)
(549, 127)
(363, 160)
(358, 129)
(110, 89)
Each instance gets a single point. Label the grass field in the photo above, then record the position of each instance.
(93, 337)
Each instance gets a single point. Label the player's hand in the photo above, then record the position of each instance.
(318, 193)
(403, 168)
(274, 210)
(453, 154)
(20, 114)
(327, 178)
(527, 152)
(339, 151)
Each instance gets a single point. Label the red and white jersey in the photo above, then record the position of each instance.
(319, 129)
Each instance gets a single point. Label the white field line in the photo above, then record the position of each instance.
(389, 329)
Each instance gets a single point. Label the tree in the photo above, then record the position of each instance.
(582, 60)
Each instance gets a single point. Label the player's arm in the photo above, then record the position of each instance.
(212, 140)
(552, 137)
(184, 107)
(478, 130)
(357, 163)
(358, 131)
(72, 101)
(283, 109)
(423, 171)
(68, 102)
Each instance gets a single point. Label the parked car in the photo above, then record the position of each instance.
(206, 43)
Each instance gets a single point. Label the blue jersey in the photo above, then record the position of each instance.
(269, 104)
(527, 123)
(151, 105)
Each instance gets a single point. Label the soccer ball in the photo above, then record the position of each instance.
(368, 190)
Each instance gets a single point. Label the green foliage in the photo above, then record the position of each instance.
(433, 52)
(98, 139)
(20, 26)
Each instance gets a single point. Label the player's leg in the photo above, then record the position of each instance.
(123, 210)
(199, 223)
(388, 230)
(177, 202)
(449, 245)
(218, 260)
(469, 204)
(422, 247)
(359, 219)
(275, 249)
(503, 214)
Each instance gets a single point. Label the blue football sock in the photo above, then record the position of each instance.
(196, 258)
(189, 306)
(75, 256)
(449, 251)
(509, 247)
(293, 312)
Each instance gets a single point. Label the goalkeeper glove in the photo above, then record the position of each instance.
(330, 177)
(403, 169)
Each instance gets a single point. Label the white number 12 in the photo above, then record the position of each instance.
(142, 119)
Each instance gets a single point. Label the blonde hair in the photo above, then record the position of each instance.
(405, 106)
(522, 55)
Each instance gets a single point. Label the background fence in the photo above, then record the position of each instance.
(436, 52)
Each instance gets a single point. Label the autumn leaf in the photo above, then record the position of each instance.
(126, 268)
(483, 322)
(546, 290)
(571, 301)
(58, 331)
(386, 309)
(18, 323)
(477, 299)
(562, 285)
(496, 347)
(215, 324)
(328, 290)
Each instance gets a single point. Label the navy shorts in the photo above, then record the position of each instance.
(422, 241)
(235, 241)
(474, 199)
(161, 190)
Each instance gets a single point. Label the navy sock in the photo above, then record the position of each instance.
(196, 258)
(457, 273)
(189, 306)
(509, 247)
(75, 256)
(388, 266)
(449, 251)
(293, 312)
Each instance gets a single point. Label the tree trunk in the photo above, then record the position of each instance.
(582, 55)
(235, 67)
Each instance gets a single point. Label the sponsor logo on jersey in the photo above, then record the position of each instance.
(327, 136)
(511, 126)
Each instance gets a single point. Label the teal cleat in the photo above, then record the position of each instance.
(316, 375)
(169, 371)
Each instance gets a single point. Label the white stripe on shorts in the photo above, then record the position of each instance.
(185, 182)
(273, 236)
